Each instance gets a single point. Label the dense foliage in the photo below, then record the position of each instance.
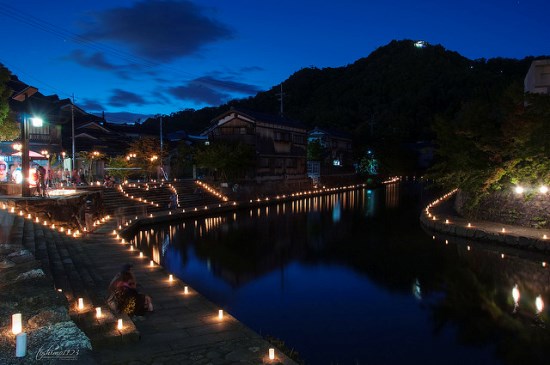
(9, 128)
(496, 142)
(389, 98)
(225, 160)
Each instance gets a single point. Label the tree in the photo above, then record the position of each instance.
(9, 128)
(226, 160)
(315, 150)
(118, 167)
(495, 142)
(145, 154)
(183, 164)
(88, 158)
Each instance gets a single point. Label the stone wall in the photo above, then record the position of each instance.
(528, 210)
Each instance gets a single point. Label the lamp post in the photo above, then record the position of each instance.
(23, 96)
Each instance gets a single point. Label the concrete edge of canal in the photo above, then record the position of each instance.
(436, 218)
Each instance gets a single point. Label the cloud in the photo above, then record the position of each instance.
(126, 117)
(161, 30)
(90, 105)
(96, 60)
(122, 98)
(212, 91)
(228, 85)
(198, 93)
(99, 61)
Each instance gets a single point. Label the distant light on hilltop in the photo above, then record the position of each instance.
(420, 44)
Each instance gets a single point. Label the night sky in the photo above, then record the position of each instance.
(132, 59)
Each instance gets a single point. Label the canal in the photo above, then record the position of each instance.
(351, 278)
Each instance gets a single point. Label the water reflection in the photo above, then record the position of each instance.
(335, 274)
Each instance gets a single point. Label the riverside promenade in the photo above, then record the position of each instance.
(183, 329)
(439, 216)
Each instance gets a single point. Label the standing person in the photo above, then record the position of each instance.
(82, 177)
(40, 180)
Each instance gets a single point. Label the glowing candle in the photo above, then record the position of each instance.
(446, 221)
(515, 294)
(80, 303)
(131, 248)
(141, 255)
(185, 290)
(544, 264)
(16, 325)
(171, 278)
(469, 225)
(151, 263)
(468, 248)
(539, 303)
(544, 237)
(271, 354)
(220, 314)
(501, 255)
(119, 324)
(503, 230)
(98, 312)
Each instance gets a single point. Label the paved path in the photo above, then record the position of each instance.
(184, 329)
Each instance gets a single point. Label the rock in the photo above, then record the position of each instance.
(33, 274)
(5, 264)
(49, 317)
(60, 336)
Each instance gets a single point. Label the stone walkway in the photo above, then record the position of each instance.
(184, 328)
(447, 222)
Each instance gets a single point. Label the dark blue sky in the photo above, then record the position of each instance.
(158, 56)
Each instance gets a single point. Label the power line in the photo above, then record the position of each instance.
(62, 33)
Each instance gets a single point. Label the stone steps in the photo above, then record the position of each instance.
(63, 259)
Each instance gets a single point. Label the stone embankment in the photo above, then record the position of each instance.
(439, 216)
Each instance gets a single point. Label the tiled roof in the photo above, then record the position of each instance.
(267, 118)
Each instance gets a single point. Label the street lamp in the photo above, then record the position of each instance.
(23, 96)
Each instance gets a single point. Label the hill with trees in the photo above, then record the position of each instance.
(388, 99)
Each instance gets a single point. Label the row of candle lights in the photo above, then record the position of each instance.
(171, 279)
(136, 198)
(17, 326)
(212, 191)
(447, 221)
(68, 231)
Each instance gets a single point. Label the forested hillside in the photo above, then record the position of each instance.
(392, 96)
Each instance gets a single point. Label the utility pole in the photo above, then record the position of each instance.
(72, 139)
(281, 97)
(161, 150)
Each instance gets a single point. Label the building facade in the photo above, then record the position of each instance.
(537, 79)
(335, 157)
(278, 142)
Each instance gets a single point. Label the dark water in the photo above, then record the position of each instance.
(351, 278)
